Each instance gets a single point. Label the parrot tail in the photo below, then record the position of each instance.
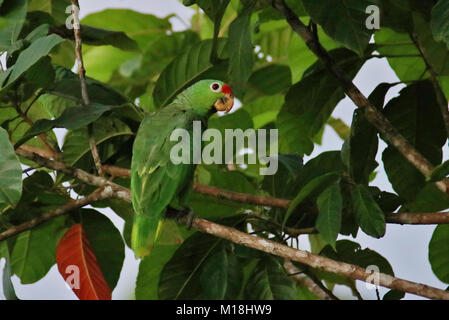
(144, 234)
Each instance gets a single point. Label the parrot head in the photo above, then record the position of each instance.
(207, 94)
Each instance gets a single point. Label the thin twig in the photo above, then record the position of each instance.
(441, 98)
(389, 133)
(99, 194)
(82, 75)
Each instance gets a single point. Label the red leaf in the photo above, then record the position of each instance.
(79, 267)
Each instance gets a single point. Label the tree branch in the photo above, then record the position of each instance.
(315, 261)
(82, 75)
(376, 118)
(99, 194)
(125, 194)
(231, 234)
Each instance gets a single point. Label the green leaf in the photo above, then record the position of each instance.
(393, 295)
(12, 18)
(429, 199)
(76, 143)
(340, 127)
(241, 57)
(34, 250)
(440, 21)
(180, 277)
(440, 172)
(328, 222)
(351, 252)
(270, 80)
(363, 141)
(214, 278)
(106, 242)
(310, 102)
(27, 58)
(100, 37)
(140, 27)
(185, 70)
(8, 287)
(264, 110)
(10, 172)
(269, 281)
(67, 86)
(314, 187)
(342, 20)
(416, 115)
(439, 252)
(150, 268)
(368, 214)
(71, 118)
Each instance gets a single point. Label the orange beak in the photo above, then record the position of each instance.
(227, 102)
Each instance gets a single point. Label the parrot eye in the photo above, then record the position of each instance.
(215, 87)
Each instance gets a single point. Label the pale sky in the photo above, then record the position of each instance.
(405, 247)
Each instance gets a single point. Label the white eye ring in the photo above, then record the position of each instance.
(215, 87)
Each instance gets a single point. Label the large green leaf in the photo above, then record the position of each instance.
(270, 80)
(363, 142)
(180, 277)
(368, 214)
(343, 20)
(8, 287)
(102, 62)
(440, 21)
(67, 86)
(27, 58)
(439, 252)
(214, 278)
(185, 70)
(100, 37)
(311, 189)
(241, 57)
(10, 172)
(310, 102)
(328, 222)
(76, 143)
(415, 113)
(139, 26)
(264, 110)
(150, 268)
(34, 250)
(12, 18)
(269, 281)
(106, 242)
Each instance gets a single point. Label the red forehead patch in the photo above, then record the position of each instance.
(226, 89)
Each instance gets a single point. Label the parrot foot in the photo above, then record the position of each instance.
(189, 219)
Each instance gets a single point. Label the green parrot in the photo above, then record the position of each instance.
(156, 182)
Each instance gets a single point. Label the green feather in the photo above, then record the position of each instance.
(155, 180)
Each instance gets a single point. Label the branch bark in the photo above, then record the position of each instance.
(382, 124)
(82, 75)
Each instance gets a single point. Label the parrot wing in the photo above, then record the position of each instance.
(155, 179)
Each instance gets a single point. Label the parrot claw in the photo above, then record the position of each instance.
(189, 219)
